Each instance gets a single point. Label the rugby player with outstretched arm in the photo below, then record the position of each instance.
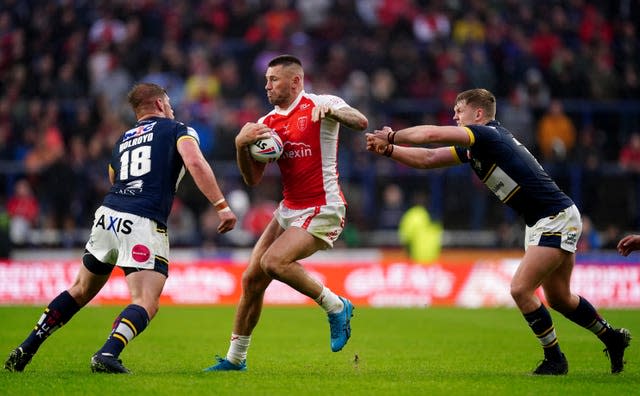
(553, 223)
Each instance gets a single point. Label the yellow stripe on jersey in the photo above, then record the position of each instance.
(455, 154)
(472, 137)
(187, 137)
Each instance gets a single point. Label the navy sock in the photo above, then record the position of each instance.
(131, 322)
(59, 311)
(586, 316)
(540, 322)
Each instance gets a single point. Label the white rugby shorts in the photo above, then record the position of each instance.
(127, 240)
(560, 231)
(325, 222)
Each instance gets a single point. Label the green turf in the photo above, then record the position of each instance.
(435, 351)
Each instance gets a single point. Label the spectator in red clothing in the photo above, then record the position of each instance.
(630, 154)
(23, 210)
(544, 43)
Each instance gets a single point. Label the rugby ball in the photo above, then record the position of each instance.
(268, 149)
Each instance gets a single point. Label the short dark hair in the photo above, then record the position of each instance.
(144, 93)
(479, 98)
(284, 60)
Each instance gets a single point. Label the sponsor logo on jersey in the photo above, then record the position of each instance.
(135, 141)
(115, 224)
(572, 236)
(296, 150)
(132, 188)
(138, 131)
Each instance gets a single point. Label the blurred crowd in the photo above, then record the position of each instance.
(67, 65)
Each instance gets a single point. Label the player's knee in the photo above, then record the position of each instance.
(519, 293)
(254, 282)
(272, 266)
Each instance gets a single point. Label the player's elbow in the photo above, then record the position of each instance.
(363, 123)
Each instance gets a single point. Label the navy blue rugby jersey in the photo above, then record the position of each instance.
(148, 168)
(509, 170)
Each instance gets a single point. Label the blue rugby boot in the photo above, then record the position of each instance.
(340, 325)
(225, 365)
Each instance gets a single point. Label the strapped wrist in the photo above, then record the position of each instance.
(221, 205)
(388, 150)
(391, 137)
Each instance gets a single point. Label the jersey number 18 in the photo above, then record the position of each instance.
(136, 162)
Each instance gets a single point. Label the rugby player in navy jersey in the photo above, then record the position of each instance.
(553, 223)
(129, 229)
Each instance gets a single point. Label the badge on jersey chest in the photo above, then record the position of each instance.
(302, 123)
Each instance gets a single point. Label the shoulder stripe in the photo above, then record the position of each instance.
(472, 137)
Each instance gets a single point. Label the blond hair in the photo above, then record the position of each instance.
(479, 98)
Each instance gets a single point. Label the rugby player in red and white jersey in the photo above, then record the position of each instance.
(311, 215)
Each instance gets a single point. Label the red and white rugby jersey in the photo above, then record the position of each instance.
(309, 163)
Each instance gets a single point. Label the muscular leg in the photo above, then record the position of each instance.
(280, 260)
(61, 309)
(254, 283)
(538, 266)
(145, 288)
(274, 257)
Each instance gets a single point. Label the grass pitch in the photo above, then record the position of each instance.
(434, 351)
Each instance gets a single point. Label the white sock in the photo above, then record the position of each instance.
(329, 301)
(238, 348)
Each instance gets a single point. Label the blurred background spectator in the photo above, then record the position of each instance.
(565, 75)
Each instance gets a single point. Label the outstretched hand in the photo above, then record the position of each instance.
(378, 141)
(628, 244)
